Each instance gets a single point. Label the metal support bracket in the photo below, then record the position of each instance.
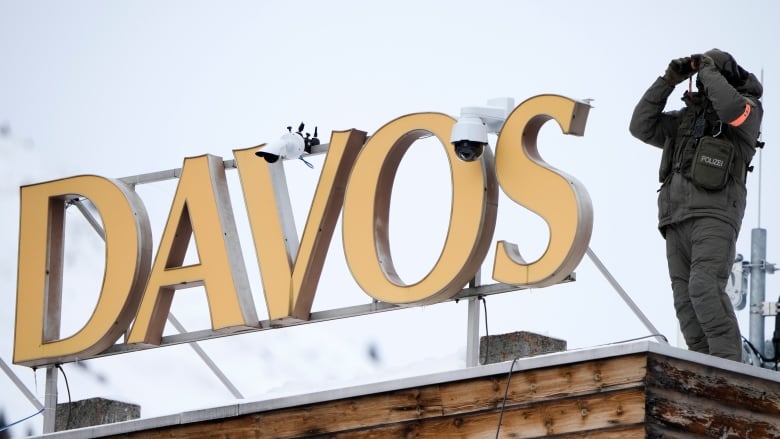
(768, 267)
(769, 309)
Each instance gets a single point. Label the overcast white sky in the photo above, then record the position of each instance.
(124, 88)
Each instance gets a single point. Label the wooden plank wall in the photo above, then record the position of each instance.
(644, 395)
(686, 399)
(594, 399)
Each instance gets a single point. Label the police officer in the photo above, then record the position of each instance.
(707, 148)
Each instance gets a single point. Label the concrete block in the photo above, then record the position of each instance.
(507, 347)
(94, 411)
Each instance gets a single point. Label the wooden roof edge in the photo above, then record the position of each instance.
(529, 363)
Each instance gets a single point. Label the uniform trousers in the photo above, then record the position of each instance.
(700, 253)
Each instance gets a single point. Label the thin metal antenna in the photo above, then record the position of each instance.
(760, 157)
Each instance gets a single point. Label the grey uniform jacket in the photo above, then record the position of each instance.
(740, 111)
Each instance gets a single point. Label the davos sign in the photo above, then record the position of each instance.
(356, 181)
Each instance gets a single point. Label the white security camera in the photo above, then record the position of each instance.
(288, 146)
(470, 134)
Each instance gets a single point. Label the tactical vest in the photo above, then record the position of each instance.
(702, 149)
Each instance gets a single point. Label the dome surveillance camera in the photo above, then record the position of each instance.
(469, 137)
(469, 134)
(468, 150)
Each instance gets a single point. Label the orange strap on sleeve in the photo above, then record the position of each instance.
(742, 117)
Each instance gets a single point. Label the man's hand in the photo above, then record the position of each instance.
(678, 70)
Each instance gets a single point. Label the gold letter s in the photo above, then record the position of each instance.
(558, 198)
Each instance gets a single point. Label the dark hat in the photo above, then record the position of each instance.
(728, 66)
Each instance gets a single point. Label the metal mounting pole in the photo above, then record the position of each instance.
(757, 287)
(472, 327)
(50, 400)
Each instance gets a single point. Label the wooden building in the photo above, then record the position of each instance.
(635, 390)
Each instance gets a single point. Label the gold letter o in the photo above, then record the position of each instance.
(367, 206)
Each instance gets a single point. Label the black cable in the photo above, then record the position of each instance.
(761, 358)
(67, 386)
(487, 334)
(776, 339)
(506, 392)
(753, 348)
(775, 344)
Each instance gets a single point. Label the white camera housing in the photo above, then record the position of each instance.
(289, 146)
(470, 134)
